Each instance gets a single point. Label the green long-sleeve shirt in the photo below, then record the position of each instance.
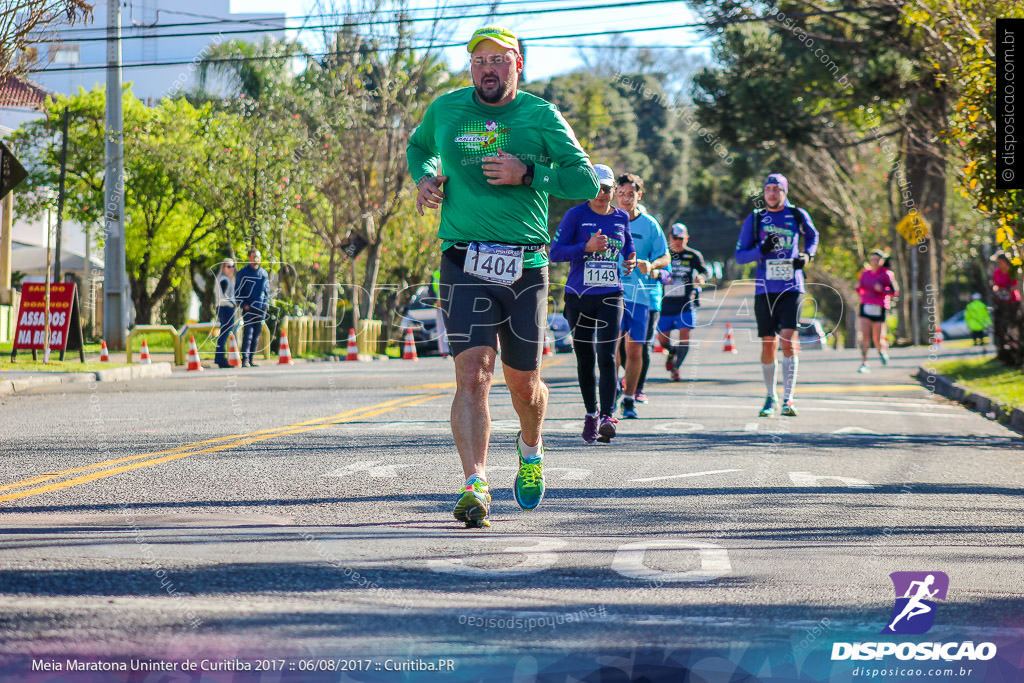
(457, 132)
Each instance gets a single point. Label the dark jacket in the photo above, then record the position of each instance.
(252, 288)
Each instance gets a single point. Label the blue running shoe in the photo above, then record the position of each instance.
(769, 406)
(529, 487)
(629, 409)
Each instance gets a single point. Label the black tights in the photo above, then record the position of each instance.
(594, 320)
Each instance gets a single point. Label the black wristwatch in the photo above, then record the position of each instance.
(528, 176)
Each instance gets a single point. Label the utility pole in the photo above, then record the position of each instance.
(60, 191)
(115, 278)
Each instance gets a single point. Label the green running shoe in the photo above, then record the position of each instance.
(789, 410)
(769, 406)
(529, 488)
(474, 504)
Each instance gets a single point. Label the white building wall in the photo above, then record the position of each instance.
(149, 83)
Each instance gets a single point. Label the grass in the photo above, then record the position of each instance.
(24, 363)
(989, 377)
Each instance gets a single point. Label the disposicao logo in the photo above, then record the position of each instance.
(914, 613)
(916, 593)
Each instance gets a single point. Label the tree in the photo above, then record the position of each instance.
(359, 105)
(24, 21)
(822, 91)
(958, 37)
(169, 150)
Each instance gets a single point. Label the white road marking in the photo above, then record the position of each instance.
(751, 427)
(688, 474)
(856, 430)
(369, 467)
(714, 561)
(808, 479)
(679, 427)
(804, 407)
(538, 558)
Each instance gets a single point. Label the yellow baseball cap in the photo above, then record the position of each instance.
(500, 35)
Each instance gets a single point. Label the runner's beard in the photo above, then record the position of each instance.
(494, 93)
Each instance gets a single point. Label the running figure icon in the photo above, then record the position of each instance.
(915, 606)
(916, 595)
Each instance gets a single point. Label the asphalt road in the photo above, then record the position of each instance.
(306, 512)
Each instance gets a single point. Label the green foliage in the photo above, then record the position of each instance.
(956, 38)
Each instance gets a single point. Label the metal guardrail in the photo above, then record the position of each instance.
(306, 334)
(139, 330)
(213, 329)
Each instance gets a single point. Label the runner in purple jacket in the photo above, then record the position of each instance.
(771, 238)
(594, 238)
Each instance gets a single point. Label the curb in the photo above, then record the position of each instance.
(943, 386)
(124, 374)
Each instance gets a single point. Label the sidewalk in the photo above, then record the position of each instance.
(15, 381)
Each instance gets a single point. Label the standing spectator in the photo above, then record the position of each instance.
(224, 292)
(977, 319)
(1007, 310)
(252, 292)
(876, 288)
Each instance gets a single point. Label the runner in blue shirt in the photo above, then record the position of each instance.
(651, 253)
(594, 237)
(772, 239)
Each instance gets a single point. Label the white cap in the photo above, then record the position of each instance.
(605, 176)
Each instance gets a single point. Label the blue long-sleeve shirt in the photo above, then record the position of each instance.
(783, 224)
(578, 225)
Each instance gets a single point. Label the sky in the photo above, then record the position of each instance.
(546, 58)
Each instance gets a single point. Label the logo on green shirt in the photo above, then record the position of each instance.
(482, 137)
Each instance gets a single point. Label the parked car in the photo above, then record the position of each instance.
(811, 334)
(559, 328)
(420, 316)
(955, 327)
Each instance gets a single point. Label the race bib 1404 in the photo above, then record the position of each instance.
(500, 263)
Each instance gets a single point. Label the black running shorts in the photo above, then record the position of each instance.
(777, 311)
(479, 313)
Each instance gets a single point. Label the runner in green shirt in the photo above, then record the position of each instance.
(488, 156)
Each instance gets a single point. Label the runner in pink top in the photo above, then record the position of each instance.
(877, 286)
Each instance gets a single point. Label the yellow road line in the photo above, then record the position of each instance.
(190, 449)
(498, 382)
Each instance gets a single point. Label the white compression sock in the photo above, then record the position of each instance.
(529, 451)
(789, 367)
(768, 370)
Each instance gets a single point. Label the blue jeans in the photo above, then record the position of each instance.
(252, 321)
(226, 317)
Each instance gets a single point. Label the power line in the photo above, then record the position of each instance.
(567, 36)
(381, 22)
(306, 17)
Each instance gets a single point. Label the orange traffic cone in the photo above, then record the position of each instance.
(284, 354)
(144, 358)
(193, 355)
(104, 356)
(234, 360)
(937, 339)
(730, 345)
(409, 352)
(352, 353)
